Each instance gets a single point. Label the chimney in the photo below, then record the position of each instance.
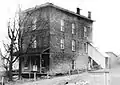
(89, 14)
(78, 11)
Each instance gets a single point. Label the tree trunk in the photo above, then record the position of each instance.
(11, 59)
(10, 71)
(20, 68)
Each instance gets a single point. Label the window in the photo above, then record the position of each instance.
(73, 28)
(34, 44)
(62, 43)
(73, 64)
(62, 25)
(34, 23)
(85, 47)
(45, 41)
(85, 31)
(26, 62)
(73, 45)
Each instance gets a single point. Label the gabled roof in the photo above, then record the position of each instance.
(60, 8)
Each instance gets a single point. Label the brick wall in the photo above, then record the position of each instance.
(41, 33)
(81, 59)
(48, 34)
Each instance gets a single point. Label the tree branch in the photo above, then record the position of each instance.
(9, 30)
(7, 47)
(15, 58)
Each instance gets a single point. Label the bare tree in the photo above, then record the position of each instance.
(18, 29)
(10, 48)
(13, 50)
(4, 61)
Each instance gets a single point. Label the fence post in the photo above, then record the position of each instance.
(2, 80)
(35, 76)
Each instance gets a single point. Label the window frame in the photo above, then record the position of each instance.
(62, 25)
(73, 28)
(34, 44)
(34, 24)
(26, 63)
(86, 47)
(62, 43)
(85, 31)
(73, 45)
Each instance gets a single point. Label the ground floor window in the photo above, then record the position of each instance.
(26, 62)
(73, 64)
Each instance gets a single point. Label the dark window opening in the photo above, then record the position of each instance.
(73, 64)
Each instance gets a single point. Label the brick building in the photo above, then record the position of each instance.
(58, 40)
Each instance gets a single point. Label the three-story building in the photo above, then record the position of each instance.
(55, 39)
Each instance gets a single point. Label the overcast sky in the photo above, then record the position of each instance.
(105, 12)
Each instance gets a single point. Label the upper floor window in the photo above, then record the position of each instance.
(85, 31)
(34, 44)
(73, 28)
(62, 43)
(62, 25)
(34, 23)
(73, 45)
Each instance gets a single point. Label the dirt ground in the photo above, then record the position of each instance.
(86, 78)
(77, 79)
(115, 76)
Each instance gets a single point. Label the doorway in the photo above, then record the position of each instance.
(45, 63)
(35, 63)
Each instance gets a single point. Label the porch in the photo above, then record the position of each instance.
(35, 63)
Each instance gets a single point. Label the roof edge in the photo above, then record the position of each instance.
(60, 8)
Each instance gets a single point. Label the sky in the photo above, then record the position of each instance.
(106, 14)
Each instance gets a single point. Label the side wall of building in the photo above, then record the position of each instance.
(63, 60)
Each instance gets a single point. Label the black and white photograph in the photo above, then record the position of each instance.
(59, 42)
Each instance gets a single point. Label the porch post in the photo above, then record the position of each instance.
(49, 63)
(30, 64)
(40, 62)
(30, 68)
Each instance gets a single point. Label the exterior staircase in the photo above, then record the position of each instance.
(99, 57)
